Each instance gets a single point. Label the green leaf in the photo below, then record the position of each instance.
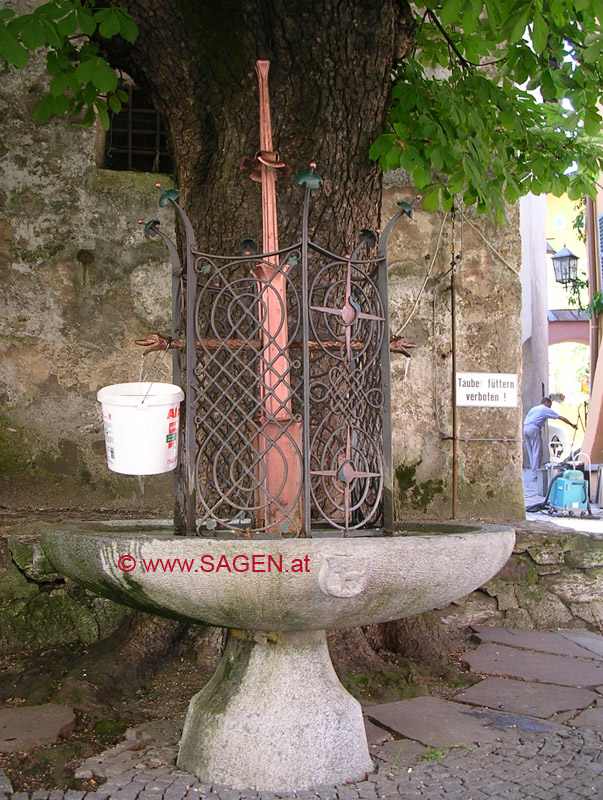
(432, 200)
(456, 182)
(383, 144)
(68, 25)
(470, 20)
(511, 195)
(88, 93)
(434, 153)
(520, 25)
(392, 158)
(11, 50)
(103, 116)
(89, 117)
(540, 32)
(128, 30)
(592, 53)
(104, 78)
(493, 15)
(85, 70)
(592, 121)
(72, 82)
(109, 26)
(114, 103)
(420, 176)
(51, 35)
(58, 85)
(450, 11)
(448, 201)
(408, 159)
(60, 104)
(85, 21)
(44, 109)
(469, 197)
(33, 34)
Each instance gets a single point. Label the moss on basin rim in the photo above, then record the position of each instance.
(279, 584)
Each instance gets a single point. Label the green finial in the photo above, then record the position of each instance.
(170, 194)
(150, 225)
(309, 178)
(406, 207)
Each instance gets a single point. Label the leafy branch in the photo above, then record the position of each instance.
(575, 294)
(499, 99)
(594, 307)
(82, 82)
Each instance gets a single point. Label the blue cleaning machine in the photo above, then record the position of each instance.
(570, 491)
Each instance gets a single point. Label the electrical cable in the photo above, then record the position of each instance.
(422, 289)
(491, 246)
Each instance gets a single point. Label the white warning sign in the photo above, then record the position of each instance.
(493, 389)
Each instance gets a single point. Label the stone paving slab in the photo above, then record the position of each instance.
(25, 727)
(400, 752)
(442, 723)
(541, 641)
(556, 764)
(552, 765)
(586, 639)
(5, 784)
(521, 697)
(592, 718)
(375, 734)
(491, 753)
(495, 659)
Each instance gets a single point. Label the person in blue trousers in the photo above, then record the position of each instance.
(532, 431)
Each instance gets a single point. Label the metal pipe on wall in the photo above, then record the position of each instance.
(454, 411)
(594, 283)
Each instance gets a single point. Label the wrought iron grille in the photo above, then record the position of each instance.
(287, 424)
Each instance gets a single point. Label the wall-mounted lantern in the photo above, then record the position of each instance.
(565, 264)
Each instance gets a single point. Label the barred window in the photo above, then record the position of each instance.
(137, 137)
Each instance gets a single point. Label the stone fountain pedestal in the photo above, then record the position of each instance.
(303, 724)
(275, 717)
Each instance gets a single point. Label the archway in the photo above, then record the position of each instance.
(569, 386)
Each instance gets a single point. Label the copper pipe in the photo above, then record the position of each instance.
(590, 220)
(157, 341)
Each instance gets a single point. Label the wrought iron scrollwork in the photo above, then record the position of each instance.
(287, 428)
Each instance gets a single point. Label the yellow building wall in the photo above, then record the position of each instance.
(566, 359)
(560, 215)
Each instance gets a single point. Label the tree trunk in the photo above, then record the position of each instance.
(329, 86)
(117, 664)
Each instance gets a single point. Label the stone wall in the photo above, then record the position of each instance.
(38, 607)
(553, 579)
(79, 284)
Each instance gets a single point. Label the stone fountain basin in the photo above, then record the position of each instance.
(280, 584)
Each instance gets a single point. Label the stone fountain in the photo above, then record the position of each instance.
(285, 498)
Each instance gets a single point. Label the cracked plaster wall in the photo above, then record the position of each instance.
(78, 285)
(488, 339)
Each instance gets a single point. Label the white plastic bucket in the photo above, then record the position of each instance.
(141, 426)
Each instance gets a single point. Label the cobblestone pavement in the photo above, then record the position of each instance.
(559, 765)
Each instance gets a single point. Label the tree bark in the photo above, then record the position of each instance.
(329, 86)
(120, 662)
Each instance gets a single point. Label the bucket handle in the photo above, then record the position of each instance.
(157, 364)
